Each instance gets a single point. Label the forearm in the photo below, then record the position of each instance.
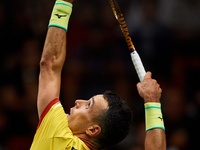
(55, 45)
(155, 129)
(54, 51)
(155, 140)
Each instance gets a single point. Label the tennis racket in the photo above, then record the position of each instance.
(134, 55)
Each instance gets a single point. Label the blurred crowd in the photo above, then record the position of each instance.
(166, 34)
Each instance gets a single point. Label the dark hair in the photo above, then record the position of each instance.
(115, 122)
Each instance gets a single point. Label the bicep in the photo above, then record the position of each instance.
(49, 88)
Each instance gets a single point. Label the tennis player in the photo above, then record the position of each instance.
(99, 122)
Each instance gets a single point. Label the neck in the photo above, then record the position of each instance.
(88, 141)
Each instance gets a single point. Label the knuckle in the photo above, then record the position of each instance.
(154, 80)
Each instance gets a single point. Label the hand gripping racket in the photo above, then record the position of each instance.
(134, 55)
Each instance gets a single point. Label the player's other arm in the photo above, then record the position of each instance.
(51, 64)
(150, 91)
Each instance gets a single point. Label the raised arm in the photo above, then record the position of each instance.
(150, 91)
(53, 56)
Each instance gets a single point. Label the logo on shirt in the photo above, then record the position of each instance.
(59, 16)
(73, 148)
(160, 118)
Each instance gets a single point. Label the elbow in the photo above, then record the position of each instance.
(50, 64)
(46, 63)
(51, 60)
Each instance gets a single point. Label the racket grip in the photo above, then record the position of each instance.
(138, 65)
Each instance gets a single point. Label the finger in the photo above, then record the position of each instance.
(155, 82)
(160, 90)
(139, 86)
(148, 75)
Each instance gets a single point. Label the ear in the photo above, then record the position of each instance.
(93, 130)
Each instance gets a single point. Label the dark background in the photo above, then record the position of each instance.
(166, 34)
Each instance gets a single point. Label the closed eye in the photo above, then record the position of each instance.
(88, 105)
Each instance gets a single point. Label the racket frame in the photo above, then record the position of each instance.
(134, 55)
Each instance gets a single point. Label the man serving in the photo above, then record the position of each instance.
(99, 122)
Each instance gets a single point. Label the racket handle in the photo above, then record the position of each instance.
(138, 65)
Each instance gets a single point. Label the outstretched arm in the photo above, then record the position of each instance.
(150, 91)
(51, 64)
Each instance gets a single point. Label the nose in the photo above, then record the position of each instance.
(79, 103)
